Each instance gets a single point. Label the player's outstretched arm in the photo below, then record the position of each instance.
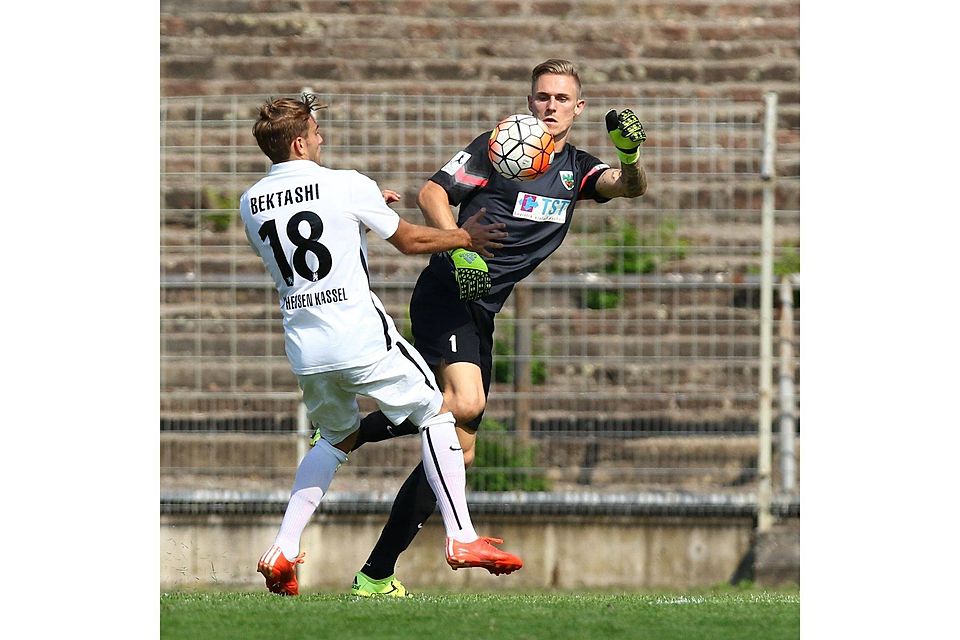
(469, 269)
(433, 203)
(630, 180)
(414, 238)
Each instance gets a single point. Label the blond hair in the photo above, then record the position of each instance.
(557, 66)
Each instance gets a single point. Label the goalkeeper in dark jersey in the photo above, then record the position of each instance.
(457, 296)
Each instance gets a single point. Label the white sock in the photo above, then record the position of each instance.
(312, 481)
(443, 463)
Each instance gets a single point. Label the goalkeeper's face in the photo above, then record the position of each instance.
(556, 102)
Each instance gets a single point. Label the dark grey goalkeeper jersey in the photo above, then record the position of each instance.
(537, 213)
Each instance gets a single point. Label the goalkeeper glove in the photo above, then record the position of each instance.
(627, 134)
(473, 277)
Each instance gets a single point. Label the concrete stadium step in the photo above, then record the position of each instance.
(644, 321)
(242, 451)
(638, 374)
(182, 371)
(614, 349)
(190, 191)
(553, 412)
(266, 374)
(245, 265)
(218, 234)
(187, 308)
(560, 312)
(254, 338)
(723, 405)
(205, 344)
(235, 167)
(595, 460)
(214, 224)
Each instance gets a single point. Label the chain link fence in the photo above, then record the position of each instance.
(627, 365)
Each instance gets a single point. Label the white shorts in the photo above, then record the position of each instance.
(401, 383)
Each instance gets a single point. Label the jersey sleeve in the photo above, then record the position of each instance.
(370, 207)
(466, 171)
(590, 168)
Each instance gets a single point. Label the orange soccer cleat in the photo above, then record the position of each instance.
(280, 573)
(481, 553)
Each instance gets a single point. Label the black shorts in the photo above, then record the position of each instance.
(447, 329)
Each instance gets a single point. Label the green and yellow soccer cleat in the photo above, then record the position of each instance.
(388, 587)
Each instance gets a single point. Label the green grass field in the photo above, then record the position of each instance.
(716, 615)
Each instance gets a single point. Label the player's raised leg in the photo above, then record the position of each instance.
(443, 464)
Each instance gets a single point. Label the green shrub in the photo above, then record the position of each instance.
(502, 463)
(788, 262)
(503, 363)
(601, 298)
(221, 208)
(630, 253)
(633, 253)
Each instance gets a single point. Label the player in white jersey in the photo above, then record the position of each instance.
(308, 223)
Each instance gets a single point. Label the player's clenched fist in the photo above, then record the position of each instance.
(627, 134)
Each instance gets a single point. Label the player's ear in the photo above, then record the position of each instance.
(530, 103)
(578, 108)
(296, 148)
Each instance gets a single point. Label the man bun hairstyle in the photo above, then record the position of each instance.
(283, 120)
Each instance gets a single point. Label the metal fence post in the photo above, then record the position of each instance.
(302, 431)
(764, 459)
(787, 401)
(523, 348)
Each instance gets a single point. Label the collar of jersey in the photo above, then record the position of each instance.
(290, 165)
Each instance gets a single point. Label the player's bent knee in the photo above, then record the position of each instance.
(466, 410)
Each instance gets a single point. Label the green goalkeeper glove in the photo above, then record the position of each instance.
(627, 134)
(473, 277)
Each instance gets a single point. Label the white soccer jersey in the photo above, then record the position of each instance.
(308, 224)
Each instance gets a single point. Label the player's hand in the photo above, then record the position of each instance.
(627, 134)
(469, 268)
(484, 236)
(390, 196)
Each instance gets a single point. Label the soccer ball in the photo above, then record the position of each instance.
(520, 147)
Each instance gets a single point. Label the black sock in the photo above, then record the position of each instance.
(414, 503)
(375, 427)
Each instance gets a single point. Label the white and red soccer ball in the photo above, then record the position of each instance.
(520, 147)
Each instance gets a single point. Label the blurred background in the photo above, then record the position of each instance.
(646, 391)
